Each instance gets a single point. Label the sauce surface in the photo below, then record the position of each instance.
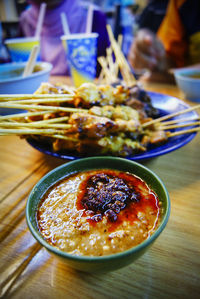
(195, 75)
(98, 212)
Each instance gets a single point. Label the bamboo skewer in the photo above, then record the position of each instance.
(39, 107)
(121, 60)
(48, 133)
(197, 129)
(117, 51)
(51, 120)
(11, 97)
(34, 125)
(59, 134)
(111, 64)
(116, 66)
(25, 114)
(31, 131)
(107, 72)
(56, 100)
(65, 137)
(169, 127)
(120, 40)
(169, 116)
(174, 121)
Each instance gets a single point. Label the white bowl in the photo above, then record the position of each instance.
(188, 83)
(12, 82)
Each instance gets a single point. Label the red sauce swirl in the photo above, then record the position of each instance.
(117, 195)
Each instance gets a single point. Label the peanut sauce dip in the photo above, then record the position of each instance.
(98, 212)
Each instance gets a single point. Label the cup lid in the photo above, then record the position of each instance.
(80, 35)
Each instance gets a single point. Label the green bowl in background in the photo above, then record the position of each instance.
(103, 263)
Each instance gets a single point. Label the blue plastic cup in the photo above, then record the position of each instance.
(81, 50)
(20, 48)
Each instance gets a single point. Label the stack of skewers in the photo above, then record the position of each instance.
(92, 119)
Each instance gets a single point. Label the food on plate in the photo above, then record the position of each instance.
(98, 212)
(110, 121)
(92, 119)
(90, 94)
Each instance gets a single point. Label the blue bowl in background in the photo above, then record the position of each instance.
(188, 80)
(12, 82)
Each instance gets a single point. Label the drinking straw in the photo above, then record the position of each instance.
(31, 61)
(40, 20)
(64, 23)
(1, 33)
(89, 18)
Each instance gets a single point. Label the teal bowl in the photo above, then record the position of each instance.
(92, 263)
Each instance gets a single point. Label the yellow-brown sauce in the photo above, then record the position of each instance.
(82, 216)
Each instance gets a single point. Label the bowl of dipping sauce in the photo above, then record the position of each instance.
(188, 80)
(12, 81)
(98, 214)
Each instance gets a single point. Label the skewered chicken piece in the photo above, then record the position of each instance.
(120, 144)
(109, 136)
(115, 145)
(92, 126)
(115, 113)
(48, 88)
(89, 94)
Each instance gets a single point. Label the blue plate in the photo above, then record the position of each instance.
(166, 105)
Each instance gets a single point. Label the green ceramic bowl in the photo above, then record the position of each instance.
(104, 263)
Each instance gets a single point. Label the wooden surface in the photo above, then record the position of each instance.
(170, 269)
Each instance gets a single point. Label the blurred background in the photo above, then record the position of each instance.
(121, 15)
(172, 40)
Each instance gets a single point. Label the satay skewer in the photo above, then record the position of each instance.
(18, 126)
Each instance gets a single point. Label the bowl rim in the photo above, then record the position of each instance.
(20, 40)
(97, 259)
(182, 74)
(47, 68)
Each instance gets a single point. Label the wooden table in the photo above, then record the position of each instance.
(170, 269)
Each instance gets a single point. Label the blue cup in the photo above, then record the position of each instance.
(81, 50)
(20, 48)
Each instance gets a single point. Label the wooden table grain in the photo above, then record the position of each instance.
(171, 267)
